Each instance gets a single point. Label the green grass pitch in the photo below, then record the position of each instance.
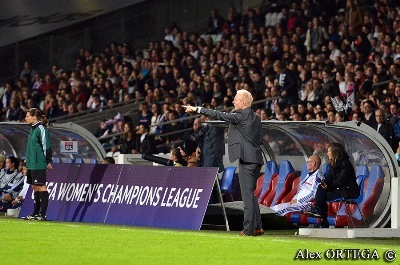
(35, 242)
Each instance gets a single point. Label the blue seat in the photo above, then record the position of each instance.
(68, 160)
(93, 161)
(79, 160)
(373, 186)
(227, 181)
(372, 192)
(296, 217)
(344, 203)
(270, 169)
(56, 160)
(325, 169)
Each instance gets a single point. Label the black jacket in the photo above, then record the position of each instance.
(343, 178)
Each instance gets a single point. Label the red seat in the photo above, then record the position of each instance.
(288, 187)
(293, 189)
(267, 198)
(280, 185)
(270, 169)
(259, 186)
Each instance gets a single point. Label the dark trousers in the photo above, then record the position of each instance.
(248, 175)
(322, 196)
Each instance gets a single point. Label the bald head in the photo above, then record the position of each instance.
(313, 163)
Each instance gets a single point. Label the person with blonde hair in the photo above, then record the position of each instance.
(244, 145)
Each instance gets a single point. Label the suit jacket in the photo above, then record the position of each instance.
(387, 132)
(147, 146)
(244, 134)
(213, 147)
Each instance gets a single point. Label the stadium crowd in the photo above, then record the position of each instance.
(293, 57)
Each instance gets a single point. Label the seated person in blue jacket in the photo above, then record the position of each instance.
(17, 202)
(306, 190)
(11, 182)
(340, 182)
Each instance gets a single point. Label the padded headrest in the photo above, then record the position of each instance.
(325, 169)
(285, 168)
(362, 170)
(271, 168)
(376, 172)
(304, 172)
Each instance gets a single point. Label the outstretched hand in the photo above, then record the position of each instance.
(189, 108)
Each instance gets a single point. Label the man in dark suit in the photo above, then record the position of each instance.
(369, 114)
(244, 144)
(385, 128)
(145, 140)
(213, 146)
(287, 83)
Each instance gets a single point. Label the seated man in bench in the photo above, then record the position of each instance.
(306, 190)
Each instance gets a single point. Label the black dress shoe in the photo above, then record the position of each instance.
(323, 224)
(314, 212)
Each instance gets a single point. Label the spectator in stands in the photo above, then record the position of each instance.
(174, 126)
(53, 110)
(145, 141)
(334, 51)
(5, 100)
(353, 16)
(287, 83)
(369, 114)
(331, 116)
(155, 118)
(316, 35)
(91, 104)
(188, 152)
(302, 201)
(11, 182)
(27, 71)
(14, 113)
(175, 155)
(72, 108)
(215, 22)
(128, 141)
(321, 116)
(37, 88)
(339, 116)
(340, 182)
(49, 85)
(385, 128)
(144, 113)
